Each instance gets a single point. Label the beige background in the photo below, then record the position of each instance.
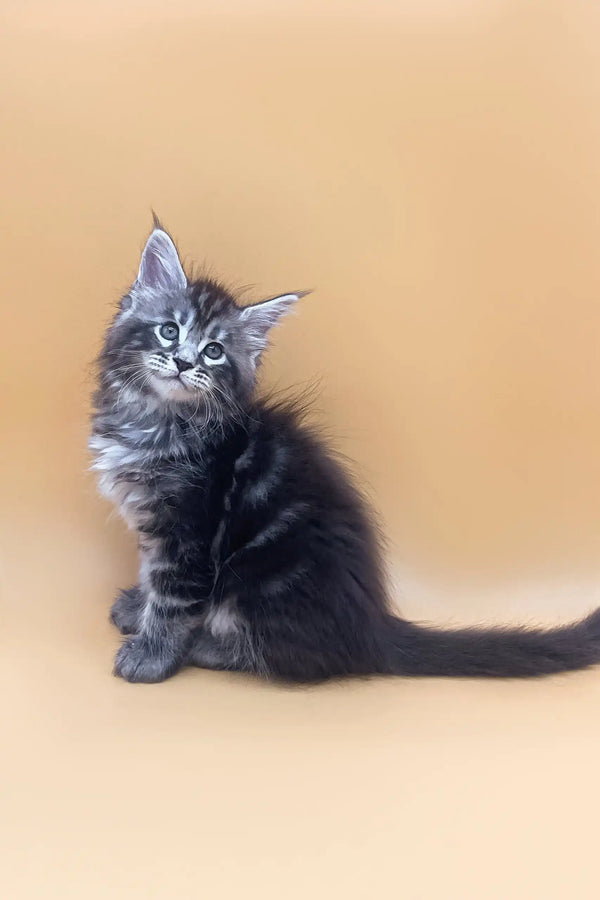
(431, 167)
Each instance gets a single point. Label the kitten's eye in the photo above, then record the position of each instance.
(169, 331)
(213, 350)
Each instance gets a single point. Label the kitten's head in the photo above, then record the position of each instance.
(180, 342)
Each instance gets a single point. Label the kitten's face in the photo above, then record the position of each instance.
(181, 344)
(185, 343)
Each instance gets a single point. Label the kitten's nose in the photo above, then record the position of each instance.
(182, 364)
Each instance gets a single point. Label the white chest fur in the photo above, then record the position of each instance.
(117, 465)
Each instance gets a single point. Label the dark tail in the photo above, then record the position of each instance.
(493, 653)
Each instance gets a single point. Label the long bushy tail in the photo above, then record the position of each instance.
(493, 653)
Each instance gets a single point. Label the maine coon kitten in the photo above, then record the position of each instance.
(257, 552)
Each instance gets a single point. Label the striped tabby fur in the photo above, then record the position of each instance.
(257, 552)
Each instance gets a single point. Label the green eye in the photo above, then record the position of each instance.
(213, 350)
(169, 331)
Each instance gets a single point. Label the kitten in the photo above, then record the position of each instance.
(258, 554)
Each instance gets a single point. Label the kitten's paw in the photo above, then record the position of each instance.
(137, 660)
(126, 610)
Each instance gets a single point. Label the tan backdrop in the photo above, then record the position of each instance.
(431, 168)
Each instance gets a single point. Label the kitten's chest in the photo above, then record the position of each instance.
(160, 481)
(126, 477)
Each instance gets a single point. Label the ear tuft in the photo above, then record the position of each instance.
(160, 268)
(259, 318)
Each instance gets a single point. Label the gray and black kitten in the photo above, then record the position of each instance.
(257, 552)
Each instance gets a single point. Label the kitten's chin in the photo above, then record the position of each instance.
(172, 389)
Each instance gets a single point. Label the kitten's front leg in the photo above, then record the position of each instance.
(143, 659)
(126, 611)
(161, 646)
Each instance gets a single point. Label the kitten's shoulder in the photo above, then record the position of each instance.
(286, 416)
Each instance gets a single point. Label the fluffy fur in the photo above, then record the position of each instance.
(257, 552)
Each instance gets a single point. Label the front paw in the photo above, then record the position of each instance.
(137, 661)
(126, 611)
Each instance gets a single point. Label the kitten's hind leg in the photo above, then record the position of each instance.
(208, 652)
(127, 609)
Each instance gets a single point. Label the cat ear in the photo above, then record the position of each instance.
(160, 268)
(260, 318)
